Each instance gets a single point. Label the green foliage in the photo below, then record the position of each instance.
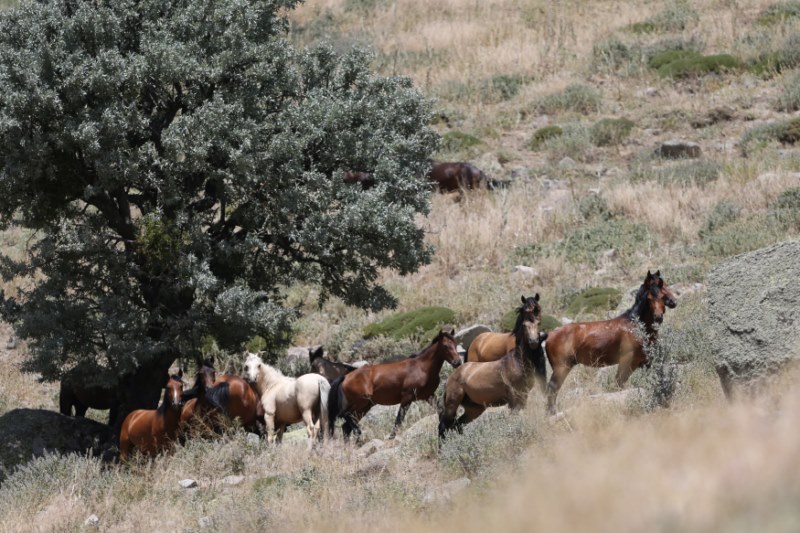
(789, 100)
(456, 141)
(674, 18)
(779, 12)
(789, 53)
(544, 134)
(549, 322)
(594, 301)
(786, 208)
(743, 235)
(594, 207)
(666, 57)
(586, 243)
(362, 6)
(187, 168)
(784, 131)
(577, 97)
(690, 66)
(611, 131)
(613, 53)
(573, 142)
(700, 173)
(424, 321)
(722, 214)
(505, 86)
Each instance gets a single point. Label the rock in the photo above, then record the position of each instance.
(684, 289)
(446, 492)
(358, 364)
(651, 92)
(92, 521)
(422, 428)
(253, 439)
(29, 433)
(232, 480)
(187, 483)
(462, 352)
(610, 254)
(465, 336)
(679, 149)
(378, 462)
(526, 270)
(378, 411)
(754, 314)
(621, 398)
(11, 343)
(594, 191)
(566, 320)
(567, 162)
(297, 353)
(371, 447)
(204, 522)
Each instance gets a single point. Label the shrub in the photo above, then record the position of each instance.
(456, 141)
(586, 243)
(665, 57)
(504, 86)
(425, 321)
(544, 134)
(361, 5)
(674, 18)
(743, 235)
(786, 208)
(613, 54)
(785, 132)
(789, 54)
(576, 97)
(573, 142)
(610, 131)
(594, 207)
(723, 213)
(696, 65)
(549, 322)
(779, 12)
(671, 44)
(594, 301)
(789, 100)
(698, 173)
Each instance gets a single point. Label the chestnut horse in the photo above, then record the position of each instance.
(492, 346)
(609, 342)
(506, 381)
(330, 370)
(403, 382)
(449, 177)
(153, 430)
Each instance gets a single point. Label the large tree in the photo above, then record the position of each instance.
(181, 164)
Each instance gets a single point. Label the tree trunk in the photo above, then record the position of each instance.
(143, 389)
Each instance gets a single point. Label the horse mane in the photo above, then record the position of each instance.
(163, 407)
(639, 307)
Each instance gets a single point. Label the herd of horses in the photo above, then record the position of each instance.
(499, 369)
(444, 177)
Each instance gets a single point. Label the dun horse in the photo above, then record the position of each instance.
(506, 381)
(609, 342)
(330, 370)
(152, 431)
(492, 346)
(403, 382)
(289, 400)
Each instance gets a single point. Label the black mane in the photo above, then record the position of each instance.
(640, 306)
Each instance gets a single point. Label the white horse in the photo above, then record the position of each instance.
(289, 400)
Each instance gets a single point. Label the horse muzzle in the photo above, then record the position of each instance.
(671, 303)
(457, 363)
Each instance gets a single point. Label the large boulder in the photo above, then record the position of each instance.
(467, 335)
(29, 433)
(754, 310)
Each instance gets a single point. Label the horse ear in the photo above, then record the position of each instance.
(180, 373)
(523, 299)
(648, 277)
(658, 273)
(536, 296)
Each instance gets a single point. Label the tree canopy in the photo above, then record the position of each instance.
(181, 163)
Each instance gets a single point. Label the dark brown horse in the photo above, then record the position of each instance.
(609, 342)
(326, 368)
(506, 381)
(365, 179)
(151, 431)
(403, 382)
(449, 177)
(73, 395)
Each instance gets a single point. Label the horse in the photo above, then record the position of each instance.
(330, 370)
(72, 394)
(505, 381)
(365, 179)
(288, 400)
(153, 430)
(449, 177)
(403, 382)
(492, 346)
(609, 342)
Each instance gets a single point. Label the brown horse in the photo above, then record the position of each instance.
(449, 177)
(330, 370)
(506, 381)
(365, 179)
(609, 342)
(403, 382)
(153, 430)
(72, 394)
(491, 346)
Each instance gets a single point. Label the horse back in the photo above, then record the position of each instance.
(600, 343)
(490, 346)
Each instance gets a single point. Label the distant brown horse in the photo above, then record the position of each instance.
(330, 370)
(151, 431)
(74, 395)
(449, 177)
(492, 346)
(364, 179)
(506, 381)
(403, 382)
(609, 342)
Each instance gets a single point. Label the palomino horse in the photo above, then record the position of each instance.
(152, 430)
(330, 370)
(491, 346)
(72, 394)
(450, 177)
(288, 400)
(609, 342)
(506, 381)
(403, 382)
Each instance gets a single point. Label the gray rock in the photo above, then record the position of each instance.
(567, 162)
(187, 483)
(679, 149)
(526, 270)
(446, 492)
(297, 353)
(371, 447)
(92, 521)
(11, 343)
(465, 336)
(754, 314)
(650, 92)
(566, 320)
(204, 522)
(232, 480)
(253, 439)
(378, 462)
(358, 364)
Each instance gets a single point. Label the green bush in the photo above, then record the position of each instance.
(594, 207)
(610, 131)
(743, 235)
(722, 214)
(594, 301)
(665, 57)
(576, 97)
(505, 86)
(700, 173)
(786, 208)
(695, 65)
(614, 54)
(544, 134)
(670, 44)
(549, 322)
(456, 141)
(785, 132)
(779, 12)
(573, 142)
(789, 100)
(789, 54)
(586, 243)
(362, 6)
(674, 18)
(425, 321)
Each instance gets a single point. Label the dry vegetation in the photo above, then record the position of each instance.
(500, 70)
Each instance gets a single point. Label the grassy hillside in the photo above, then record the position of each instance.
(593, 206)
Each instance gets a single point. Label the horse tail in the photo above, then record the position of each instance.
(335, 403)
(324, 397)
(218, 397)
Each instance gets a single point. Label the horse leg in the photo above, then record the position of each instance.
(624, 371)
(401, 415)
(269, 421)
(560, 373)
(471, 412)
(311, 427)
(80, 409)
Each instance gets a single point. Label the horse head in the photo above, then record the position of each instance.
(446, 347)
(659, 297)
(528, 320)
(252, 367)
(173, 395)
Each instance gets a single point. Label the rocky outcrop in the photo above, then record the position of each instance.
(754, 312)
